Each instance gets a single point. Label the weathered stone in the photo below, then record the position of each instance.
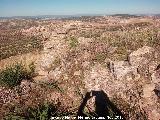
(152, 66)
(45, 63)
(77, 73)
(156, 77)
(145, 59)
(53, 49)
(84, 41)
(142, 56)
(122, 69)
(55, 74)
(131, 86)
(97, 77)
(111, 49)
(148, 90)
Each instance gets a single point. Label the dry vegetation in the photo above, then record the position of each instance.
(14, 43)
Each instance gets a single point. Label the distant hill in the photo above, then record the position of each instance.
(125, 15)
(36, 17)
(49, 16)
(78, 16)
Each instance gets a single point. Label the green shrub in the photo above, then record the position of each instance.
(100, 57)
(51, 85)
(73, 42)
(13, 75)
(43, 111)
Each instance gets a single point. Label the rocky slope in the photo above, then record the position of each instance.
(80, 65)
(133, 84)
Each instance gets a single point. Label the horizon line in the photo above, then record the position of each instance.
(81, 14)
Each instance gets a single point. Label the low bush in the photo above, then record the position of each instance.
(51, 85)
(44, 111)
(13, 75)
(100, 57)
(73, 42)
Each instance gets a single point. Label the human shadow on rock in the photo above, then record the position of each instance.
(103, 107)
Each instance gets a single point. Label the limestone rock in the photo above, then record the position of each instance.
(84, 41)
(145, 59)
(97, 78)
(122, 69)
(55, 74)
(148, 90)
(142, 56)
(156, 78)
(77, 73)
(127, 79)
(53, 49)
(47, 61)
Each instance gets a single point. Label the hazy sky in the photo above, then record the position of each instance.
(71, 7)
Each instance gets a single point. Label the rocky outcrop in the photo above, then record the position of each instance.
(136, 81)
(123, 70)
(84, 41)
(54, 50)
(142, 56)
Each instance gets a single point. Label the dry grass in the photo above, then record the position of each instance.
(14, 43)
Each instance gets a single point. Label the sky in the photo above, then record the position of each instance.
(74, 7)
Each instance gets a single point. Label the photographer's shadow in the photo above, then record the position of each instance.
(103, 106)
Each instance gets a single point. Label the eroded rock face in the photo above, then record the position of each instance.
(47, 61)
(156, 78)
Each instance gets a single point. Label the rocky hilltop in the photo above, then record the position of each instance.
(124, 64)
